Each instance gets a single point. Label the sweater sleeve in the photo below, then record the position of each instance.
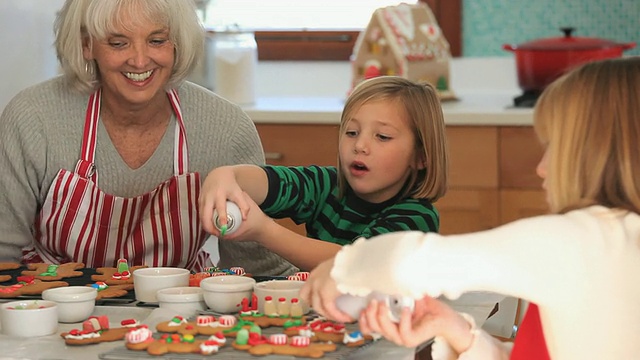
(512, 259)
(23, 162)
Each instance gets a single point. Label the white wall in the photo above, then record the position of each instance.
(27, 55)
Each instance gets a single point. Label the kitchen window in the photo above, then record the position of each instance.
(315, 30)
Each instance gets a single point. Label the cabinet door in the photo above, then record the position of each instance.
(473, 156)
(520, 153)
(518, 204)
(298, 144)
(462, 211)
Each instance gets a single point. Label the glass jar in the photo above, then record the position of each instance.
(236, 60)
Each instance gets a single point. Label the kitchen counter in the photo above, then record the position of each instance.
(314, 93)
(468, 109)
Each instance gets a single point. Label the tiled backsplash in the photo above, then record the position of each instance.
(488, 24)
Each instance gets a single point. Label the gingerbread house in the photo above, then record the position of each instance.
(403, 40)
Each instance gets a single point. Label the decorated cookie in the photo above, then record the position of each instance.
(7, 266)
(111, 291)
(204, 325)
(28, 285)
(265, 321)
(141, 339)
(51, 272)
(280, 344)
(319, 329)
(96, 330)
(116, 275)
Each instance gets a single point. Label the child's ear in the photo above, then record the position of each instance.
(421, 162)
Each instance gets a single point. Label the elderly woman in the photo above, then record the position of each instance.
(103, 162)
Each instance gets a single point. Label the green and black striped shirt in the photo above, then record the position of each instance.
(309, 195)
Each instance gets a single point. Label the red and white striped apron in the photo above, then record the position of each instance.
(81, 223)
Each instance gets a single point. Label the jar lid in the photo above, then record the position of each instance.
(567, 42)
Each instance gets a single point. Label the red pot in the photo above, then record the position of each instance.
(541, 61)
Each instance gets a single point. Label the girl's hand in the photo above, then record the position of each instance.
(430, 318)
(320, 292)
(253, 225)
(220, 186)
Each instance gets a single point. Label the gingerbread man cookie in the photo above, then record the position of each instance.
(51, 272)
(28, 285)
(7, 266)
(204, 325)
(116, 275)
(265, 321)
(280, 344)
(96, 330)
(141, 339)
(111, 291)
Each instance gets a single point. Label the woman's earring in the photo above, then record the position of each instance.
(89, 68)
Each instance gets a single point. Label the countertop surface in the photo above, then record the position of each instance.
(472, 109)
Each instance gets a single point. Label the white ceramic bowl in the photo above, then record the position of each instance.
(185, 301)
(29, 318)
(147, 281)
(224, 294)
(287, 289)
(75, 303)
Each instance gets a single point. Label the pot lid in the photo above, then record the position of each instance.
(567, 42)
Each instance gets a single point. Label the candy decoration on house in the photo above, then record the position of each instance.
(403, 40)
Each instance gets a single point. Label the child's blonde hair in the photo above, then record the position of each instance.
(590, 121)
(424, 113)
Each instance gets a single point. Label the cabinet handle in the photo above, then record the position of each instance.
(273, 156)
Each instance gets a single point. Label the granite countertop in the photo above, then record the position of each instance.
(314, 93)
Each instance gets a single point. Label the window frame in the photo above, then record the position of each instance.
(336, 45)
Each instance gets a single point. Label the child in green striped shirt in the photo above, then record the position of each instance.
(392, 166)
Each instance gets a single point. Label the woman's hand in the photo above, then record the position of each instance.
(320, 292)
(429, 318)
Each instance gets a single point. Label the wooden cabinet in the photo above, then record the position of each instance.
(492, 178)
(298, 144)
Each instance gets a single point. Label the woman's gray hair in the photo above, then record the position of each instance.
(86, 20)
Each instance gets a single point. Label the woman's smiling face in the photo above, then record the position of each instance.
(134, 62)
(377, 150)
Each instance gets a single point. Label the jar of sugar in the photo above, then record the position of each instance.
(236, 60)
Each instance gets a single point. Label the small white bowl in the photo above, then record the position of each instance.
(287, 289)
(75, 303)
(185, 301)
(29, 318)
(224, 294)
(147, 281)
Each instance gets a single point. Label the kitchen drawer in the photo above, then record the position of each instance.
(299, 144)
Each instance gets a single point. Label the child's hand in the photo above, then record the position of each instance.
(253, 224)
(220, 186)
(429, 318)
(320, 292)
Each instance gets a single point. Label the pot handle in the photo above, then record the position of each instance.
(510, 47)
(628, 46)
